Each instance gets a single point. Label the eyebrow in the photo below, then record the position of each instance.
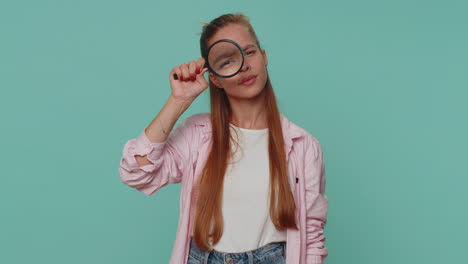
(249, 46)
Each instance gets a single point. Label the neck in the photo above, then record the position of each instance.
(249, 114)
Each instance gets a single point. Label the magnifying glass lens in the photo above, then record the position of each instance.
(225, 59)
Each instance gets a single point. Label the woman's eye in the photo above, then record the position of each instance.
(226, 62)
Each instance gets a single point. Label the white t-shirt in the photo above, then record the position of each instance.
(247, 222)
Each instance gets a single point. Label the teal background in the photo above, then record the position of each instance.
(381, 84)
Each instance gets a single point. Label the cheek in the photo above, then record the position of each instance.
(264, 74)
(229, 82)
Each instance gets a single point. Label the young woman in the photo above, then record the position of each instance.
(253, 183)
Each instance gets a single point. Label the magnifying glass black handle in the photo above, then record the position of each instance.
(177, 77)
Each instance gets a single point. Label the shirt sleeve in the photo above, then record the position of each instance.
(169, 159)
(316, 203)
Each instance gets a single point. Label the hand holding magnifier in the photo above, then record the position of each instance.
(225, 58)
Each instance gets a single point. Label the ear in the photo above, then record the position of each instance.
(215, 80)
(265, 57)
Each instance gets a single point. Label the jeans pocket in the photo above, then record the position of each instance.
(193, 260)
(274, 260)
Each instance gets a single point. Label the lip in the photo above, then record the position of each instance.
(248, 80)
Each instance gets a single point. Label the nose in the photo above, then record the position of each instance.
(245, 67)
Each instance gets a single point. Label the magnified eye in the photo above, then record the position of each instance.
(226, 63)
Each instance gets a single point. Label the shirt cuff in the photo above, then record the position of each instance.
(144, 147)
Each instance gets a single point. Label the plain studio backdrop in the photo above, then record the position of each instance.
(383, 85)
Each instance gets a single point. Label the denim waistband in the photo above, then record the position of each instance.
(264, 253)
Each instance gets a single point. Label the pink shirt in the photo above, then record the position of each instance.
(181, 157)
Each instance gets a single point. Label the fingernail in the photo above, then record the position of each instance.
(192, 78)
(197, 71)
(181, 78)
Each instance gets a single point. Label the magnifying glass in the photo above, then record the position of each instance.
(225, 58)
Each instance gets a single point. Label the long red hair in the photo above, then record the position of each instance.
(208, 191)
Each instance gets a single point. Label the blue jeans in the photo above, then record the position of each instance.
(272, 253)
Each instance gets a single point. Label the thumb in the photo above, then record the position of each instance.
(201, 75)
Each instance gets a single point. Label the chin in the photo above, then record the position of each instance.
(255, 92)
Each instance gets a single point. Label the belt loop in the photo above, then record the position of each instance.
(251, 258)
(284, 250)
(207, 254)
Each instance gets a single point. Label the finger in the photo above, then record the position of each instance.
(200, 63)
(203, 70)
(185, 71)
(192, 69)
(201, 80)
(178, 73)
